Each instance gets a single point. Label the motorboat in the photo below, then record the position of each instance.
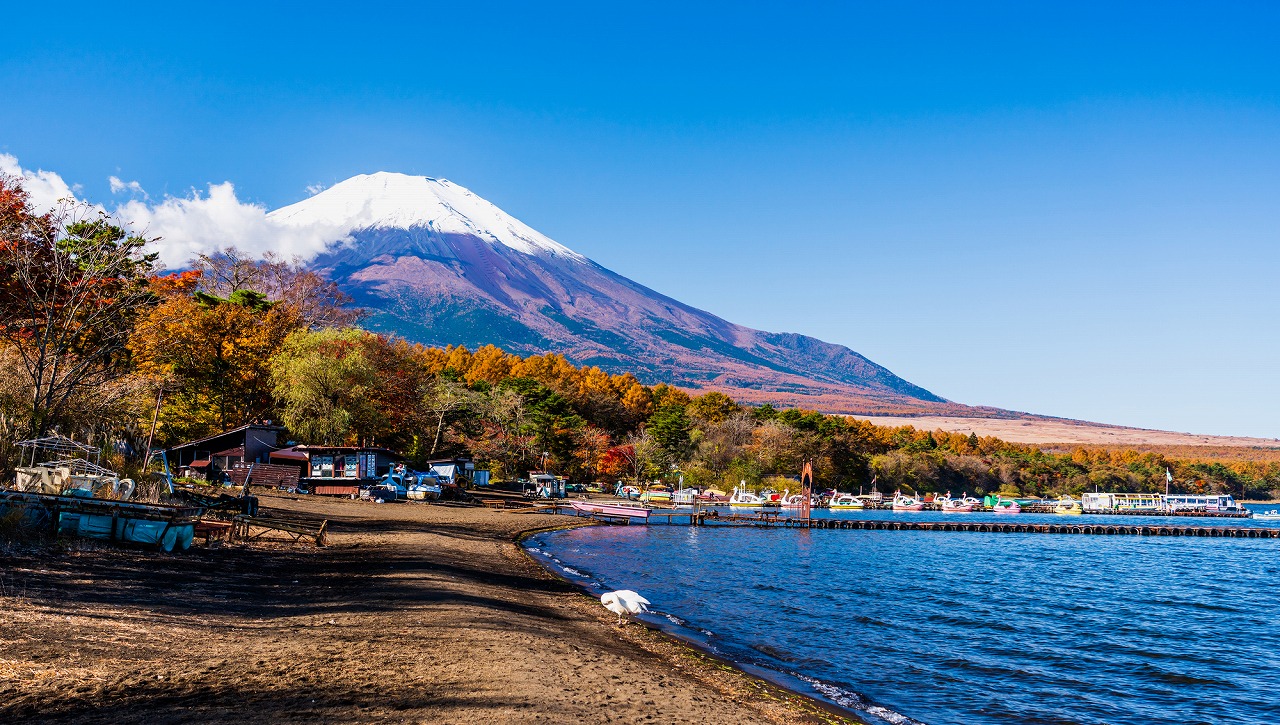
(617, 509)
(744, 498)
(628, 492)
(902, 502)
(845, 501)
(1272, 515)
(1006, 506)
(1068, 506)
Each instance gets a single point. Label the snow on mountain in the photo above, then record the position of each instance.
(397, 201)
(437, 264)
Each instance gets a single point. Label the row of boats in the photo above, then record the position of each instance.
(833, 500)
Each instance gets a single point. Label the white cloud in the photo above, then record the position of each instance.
(202, 223)
(119, 187)
(314, 189)
(46, 188)
(188, 226)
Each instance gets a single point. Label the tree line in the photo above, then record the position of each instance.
(99, 344)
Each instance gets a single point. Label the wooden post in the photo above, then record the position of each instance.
(155, 418)
(806, 485)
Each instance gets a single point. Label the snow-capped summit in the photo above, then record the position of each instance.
(388, 200)
(434, 263)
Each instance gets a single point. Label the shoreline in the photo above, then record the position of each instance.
(772, 677)
(413, 613)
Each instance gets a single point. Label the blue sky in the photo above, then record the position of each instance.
(1066, 209)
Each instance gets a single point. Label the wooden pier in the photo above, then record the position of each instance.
(994, 527)
(713, 518)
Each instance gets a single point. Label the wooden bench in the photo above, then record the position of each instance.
(494, 503)
(213, 530)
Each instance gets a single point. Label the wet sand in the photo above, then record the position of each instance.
(412, 613)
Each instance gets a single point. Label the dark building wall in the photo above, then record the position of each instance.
(258, 444)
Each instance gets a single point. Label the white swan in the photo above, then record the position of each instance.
(624, 602)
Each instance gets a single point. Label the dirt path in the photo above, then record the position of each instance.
(413, 613)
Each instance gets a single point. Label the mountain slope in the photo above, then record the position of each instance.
(438, 264)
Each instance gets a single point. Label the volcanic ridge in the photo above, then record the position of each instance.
(437, 264)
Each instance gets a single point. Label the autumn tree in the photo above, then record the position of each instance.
(322, 380)
(444, 401)
(212, 355)
(316, 301)
(592, 444)
(72, 284)
(637, 458)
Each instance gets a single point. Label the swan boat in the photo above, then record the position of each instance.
(962, 505)
(907, 503)
(743, 498)
(845, 501)
(1068, 506)
(1006, 506)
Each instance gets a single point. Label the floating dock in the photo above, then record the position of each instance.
(713, 518)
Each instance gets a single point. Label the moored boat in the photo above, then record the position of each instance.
(902, 502)
(1068, 506)
(656, 494)
(610, 508)
(845, 501)
(744, 498)
(962, 505)
(1006, 506)
(1272, 515)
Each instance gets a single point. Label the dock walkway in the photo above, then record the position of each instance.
(712, 518)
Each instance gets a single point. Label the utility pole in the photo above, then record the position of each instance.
(155, 418)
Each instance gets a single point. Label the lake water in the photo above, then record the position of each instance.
(967, 627)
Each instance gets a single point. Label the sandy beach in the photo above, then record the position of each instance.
(412, 613)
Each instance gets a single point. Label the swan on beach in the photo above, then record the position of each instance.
(624, 602)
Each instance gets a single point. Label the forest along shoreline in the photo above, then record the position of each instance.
(411, 613)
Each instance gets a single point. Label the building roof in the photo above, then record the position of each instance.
(306, 448)
(257, 426)
(289, 454)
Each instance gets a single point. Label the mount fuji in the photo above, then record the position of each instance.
(437, 264)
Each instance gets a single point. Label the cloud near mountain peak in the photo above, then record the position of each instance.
(188, 226)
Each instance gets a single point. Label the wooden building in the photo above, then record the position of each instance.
(338, 470)
(210, 457)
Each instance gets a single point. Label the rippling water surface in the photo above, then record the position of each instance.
(967, 627)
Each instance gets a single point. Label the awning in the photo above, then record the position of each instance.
(289, 454)
(231, 452)
(201, 463)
